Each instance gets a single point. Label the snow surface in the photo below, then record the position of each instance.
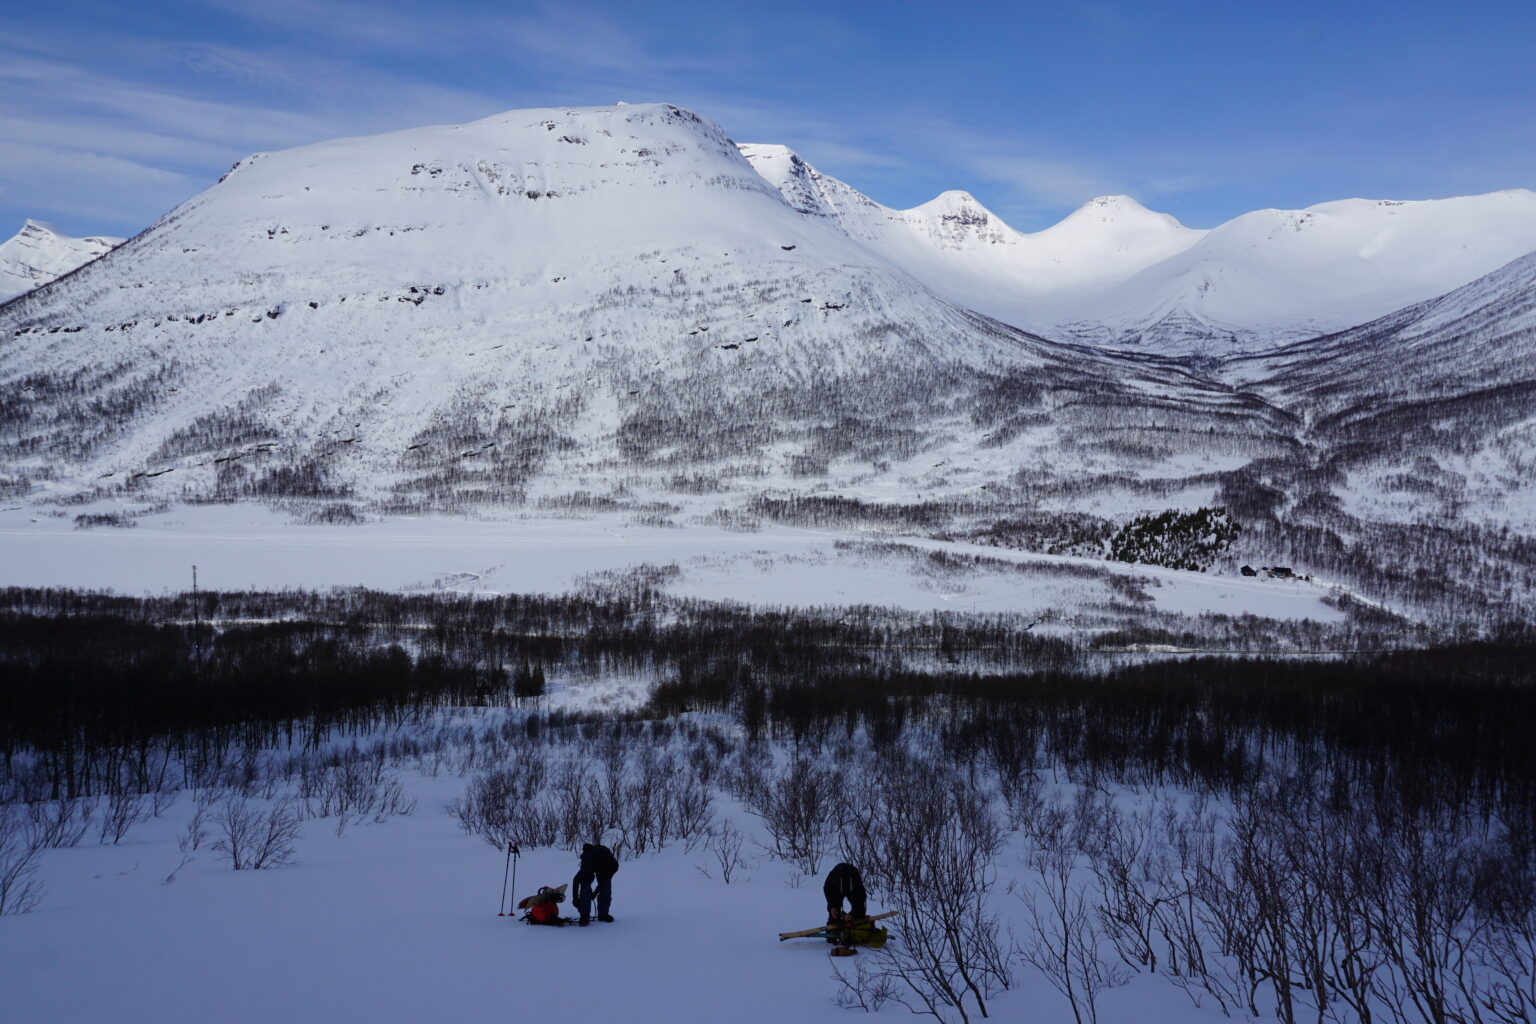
(396, 922)
(239, 547)
(40, 252)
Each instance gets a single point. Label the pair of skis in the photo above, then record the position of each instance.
(825, 931)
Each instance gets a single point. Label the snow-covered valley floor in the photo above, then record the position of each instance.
(246, 546)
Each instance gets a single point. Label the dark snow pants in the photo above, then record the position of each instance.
(844, 882)
(581, 897)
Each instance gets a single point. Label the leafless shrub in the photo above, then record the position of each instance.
(20, 849)
(356, 789)
(186, 858)
(1021, 797)
(927, 841)
(1136, 880)
(691, 811)
(799, 809)
(123, 811)
(1505, 982)
(727, 842)
(196, 832)
(60, 823)
(1063, 941)
(862, 986)
(252, 840)
(500, 807)
(161, 798)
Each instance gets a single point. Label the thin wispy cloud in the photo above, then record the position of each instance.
(1035, 109)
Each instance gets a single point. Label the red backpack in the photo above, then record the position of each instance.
(544, 913)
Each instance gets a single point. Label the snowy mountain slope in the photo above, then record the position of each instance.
(1282, 275)
(967, 253)
(1480, 337)
(39, 252)
(1428, 414)
(445, 314)
(1114, 273)
(616, 309)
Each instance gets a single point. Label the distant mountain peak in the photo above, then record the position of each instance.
(1114, 202)
(40, 252)
(1120, 209)
(951, 199)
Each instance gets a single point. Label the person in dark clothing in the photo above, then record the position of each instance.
(843, 883)
(598, 865)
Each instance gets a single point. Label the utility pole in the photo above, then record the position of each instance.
(197, 620)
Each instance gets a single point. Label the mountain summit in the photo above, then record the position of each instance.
(40, 252)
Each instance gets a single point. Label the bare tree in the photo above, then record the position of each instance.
(926, 841)
(1064, 938)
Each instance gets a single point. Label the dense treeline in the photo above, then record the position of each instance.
(90, 693)
(90, 678)
(1441, 727)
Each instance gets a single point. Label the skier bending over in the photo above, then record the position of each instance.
(843, 882)
(597, 864)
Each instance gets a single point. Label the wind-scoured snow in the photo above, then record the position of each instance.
(40, 252)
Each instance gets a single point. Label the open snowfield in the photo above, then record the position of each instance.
(396, 922)
(236, 547)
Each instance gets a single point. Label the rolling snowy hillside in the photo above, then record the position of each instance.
(1115, 273)
(1274, 276)
(39, 252)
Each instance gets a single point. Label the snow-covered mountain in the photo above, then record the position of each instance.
(618, 308)
(445, 314)
(1115, 273)
(39, 252)
(1274, 276)
(969, 254)
(1426, 415)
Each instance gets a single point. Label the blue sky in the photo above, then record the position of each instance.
(113, 112)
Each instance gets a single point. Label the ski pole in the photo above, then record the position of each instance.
(516, 853)
(501, 908)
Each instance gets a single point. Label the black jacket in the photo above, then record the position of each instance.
(596, 862)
